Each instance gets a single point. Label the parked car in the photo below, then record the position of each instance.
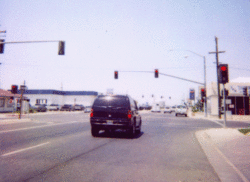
(40, 107)
(181, 110)
(173, 108)
(66, 107)
(78, 107)
(53, 107)
(87, 109)
(115, 112)
(167, 110)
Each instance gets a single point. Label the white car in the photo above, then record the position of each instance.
(53, 107)
(168, 110)
(87, 109)
(181, 110)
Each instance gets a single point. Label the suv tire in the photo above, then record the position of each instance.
(138, 130)
(131, 131)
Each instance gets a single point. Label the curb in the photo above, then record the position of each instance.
(221, 164)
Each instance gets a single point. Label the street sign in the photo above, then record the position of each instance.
(23, 87)
(228, 101)
(192, 94)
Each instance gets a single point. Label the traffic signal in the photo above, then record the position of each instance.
(223, 73)
(156, 73)
(116, 74)
(14, 89)
(203, 93)
(61, 48)
(1, 46)
(245, 91)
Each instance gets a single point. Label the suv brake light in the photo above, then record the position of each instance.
(91, 113)
(129, 114)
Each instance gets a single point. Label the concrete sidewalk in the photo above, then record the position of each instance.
(227, 149)
(228, 152)
(201, 115)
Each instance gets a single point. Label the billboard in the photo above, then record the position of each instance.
(192, 94)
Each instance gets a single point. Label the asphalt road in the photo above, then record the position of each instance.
(59, 147)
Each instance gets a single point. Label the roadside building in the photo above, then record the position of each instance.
(48, 97)
(237, 103)
(11, 102)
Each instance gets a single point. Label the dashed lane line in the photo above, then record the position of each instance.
(21, 150)
(35, 127)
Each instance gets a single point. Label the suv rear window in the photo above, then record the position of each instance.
(114, 101)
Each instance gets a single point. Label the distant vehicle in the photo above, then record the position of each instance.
(115, 112)
(87, 109)
(156, 108)
(53, 107)
(78, 107)
(66, 107)
(145, 108)
(40, 107)
(167, 110)
(181, 110)
(173, 108)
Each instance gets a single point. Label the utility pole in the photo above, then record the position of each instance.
(217, 66)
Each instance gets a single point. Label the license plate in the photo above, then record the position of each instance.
(109, 122)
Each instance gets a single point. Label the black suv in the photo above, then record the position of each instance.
(111, 112)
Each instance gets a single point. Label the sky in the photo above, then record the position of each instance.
(102, 36)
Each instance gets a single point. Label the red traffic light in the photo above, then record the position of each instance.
(116, 74)
(156, 73)
(14, 89)
(223, 73)
(223, 68)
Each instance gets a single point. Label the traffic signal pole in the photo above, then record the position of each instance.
(224, 97)
(205, 75)
(205, 85)
(217, 69)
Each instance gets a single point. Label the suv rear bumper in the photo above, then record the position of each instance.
(111, 124)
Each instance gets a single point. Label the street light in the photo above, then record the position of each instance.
(205, 84)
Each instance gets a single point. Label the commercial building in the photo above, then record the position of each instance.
(10, 102)
(237, 103)
(48, 97)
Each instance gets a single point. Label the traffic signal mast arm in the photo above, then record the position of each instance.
(167, 75)
(35, 41)
(61, 48)
(182, 79)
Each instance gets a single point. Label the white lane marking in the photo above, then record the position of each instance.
(20, 129)
(21, 150)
